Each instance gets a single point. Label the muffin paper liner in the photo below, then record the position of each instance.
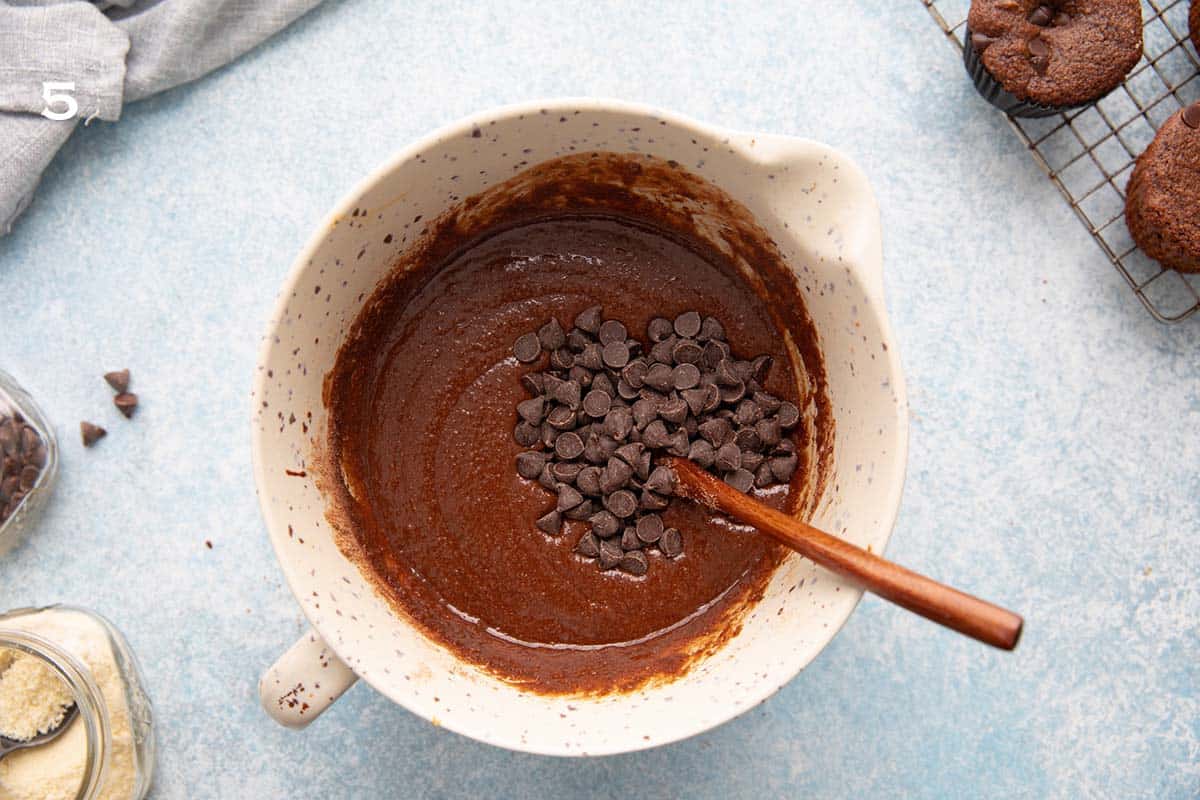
(997, 95)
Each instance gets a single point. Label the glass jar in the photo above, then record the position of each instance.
(107, 752)
(18, 412)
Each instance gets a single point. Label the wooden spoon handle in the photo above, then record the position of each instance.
(957, 610)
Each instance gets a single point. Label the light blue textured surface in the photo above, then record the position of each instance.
(1055, 426)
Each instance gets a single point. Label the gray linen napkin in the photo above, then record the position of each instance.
(114, 52)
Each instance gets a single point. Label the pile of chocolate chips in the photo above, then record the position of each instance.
(607, 405)
(22, 458)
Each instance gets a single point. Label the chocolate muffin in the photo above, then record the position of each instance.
(1164, 193)
(1033, 58)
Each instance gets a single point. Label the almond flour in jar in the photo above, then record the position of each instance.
(49, 659)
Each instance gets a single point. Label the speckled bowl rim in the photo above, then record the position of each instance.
(463, 127)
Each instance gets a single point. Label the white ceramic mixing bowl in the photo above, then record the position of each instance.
(820, 211)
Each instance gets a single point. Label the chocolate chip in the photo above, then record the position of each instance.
(1041, 64)
(569, 445)
(616, 354)
(661, 352)
(526, 434)
(566, 471)
(644, 412)
(561, 418)
(550, 384)
(740, 479)
(629, 540)
(711, 328)
(687, 324)
(655, 435)
(615, 475)
(687, 352)
(118, 380)
(625, 391)
(712, 397)
(747, 439)
(673, 409)
(635, 563)
(618, 423)
(577, 340)
(550, 523)
(679, 444)
(769, 431)
(588, 545)
(686, 376)
(568, 393)
(527, 348)
(694, 399)
(652, 501)
(769, 403)
(610, 554)
(661, 481)
(671, 543)
(581, 511)
(532, 382)
(597, 403)
(532, 410)
(660, 377)
(785, 447)
(728, 457)
(642, 468)
(93, 433)
(783, 467)
(762, 476)
(588, 480)
(717, 431)
(725, 375)
(1191, 115)
(789, 415)
(631, 453)
(1061, 18)
(589, 319)
(650, 528)
(582, 376)
(126, 403)
(568, 497)
(529, 464)
(714, 353)
(605, 524)
(591, 357)
(752, 460)
(611, 331)
(562, 358)
(1038, 48)
(702, 453)
(621, 503)
(659, 329)
(29, 476)
(980, 41)
(760, 368)
(747, 413)
(551, 336)
(1042, 16)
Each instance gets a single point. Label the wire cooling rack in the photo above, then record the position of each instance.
(1088, 153)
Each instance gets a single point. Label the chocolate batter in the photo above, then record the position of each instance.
(422, 405)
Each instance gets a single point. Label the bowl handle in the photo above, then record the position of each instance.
(305, 681)
(812, 185)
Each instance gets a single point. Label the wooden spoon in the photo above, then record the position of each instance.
(956, 610)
